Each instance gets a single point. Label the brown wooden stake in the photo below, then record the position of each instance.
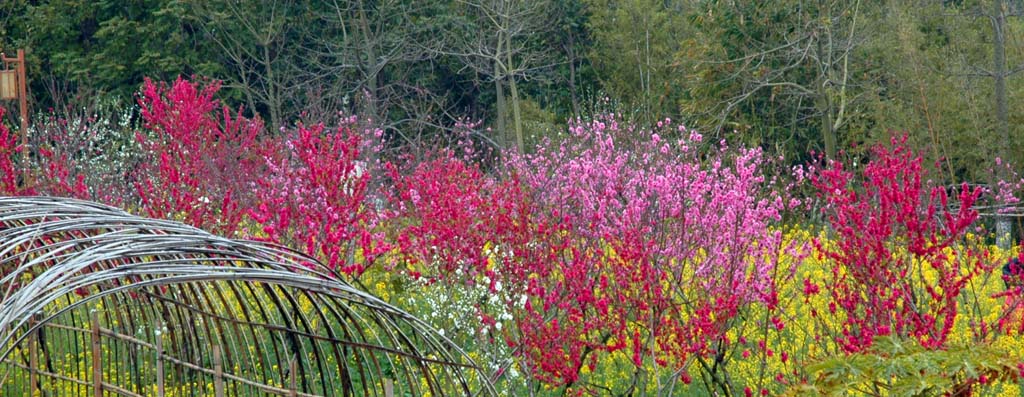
(389, 388)
(97, 369)
(23, 104)
(33, 363)
(218, 373)
(293, 375)
(159, 359)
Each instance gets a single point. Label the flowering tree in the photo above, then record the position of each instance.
(204, 160)
(895, 266)
(52, 173)
(8, 169)
(316, 196)
(668, 245)
(454, 227)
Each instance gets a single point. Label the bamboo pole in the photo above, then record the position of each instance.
(293, 376)
(218, 373)
(33, 363)
(97, 368)
(23, 105)
(158, 330)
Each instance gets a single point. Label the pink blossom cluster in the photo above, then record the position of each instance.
(205, 160)
(315, 197)
(661, 233)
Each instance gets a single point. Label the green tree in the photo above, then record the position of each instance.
(79, 49)
(637, 46)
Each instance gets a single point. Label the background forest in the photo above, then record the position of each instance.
(792, 76)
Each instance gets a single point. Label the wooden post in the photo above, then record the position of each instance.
(23, 104)
(389, 388)
(97, 368)
(218, 373)
(158, 330)
(33, 358)
(293, 376)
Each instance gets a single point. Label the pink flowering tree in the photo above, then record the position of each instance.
(666, 243)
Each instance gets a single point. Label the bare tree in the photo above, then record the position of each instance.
(255, 40)
(498, 39)
(381, 54)
(808, 64)
(996, 15)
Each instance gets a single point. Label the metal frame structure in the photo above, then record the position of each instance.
(96, 300)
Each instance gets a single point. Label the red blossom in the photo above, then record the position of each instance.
(886, 224)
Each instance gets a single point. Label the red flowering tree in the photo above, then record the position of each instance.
(896, 265)
(203, 160)
(9, 172)
(316, 197)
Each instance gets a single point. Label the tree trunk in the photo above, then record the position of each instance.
(823, 100)
(1003, 224)
(273, 96)
(517, 118)
(571, 53)
(502, 130)
(369, 67)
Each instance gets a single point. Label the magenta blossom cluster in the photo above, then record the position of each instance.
(674, 235)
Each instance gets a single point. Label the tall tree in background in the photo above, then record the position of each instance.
(796, 68)
(637, 46)
(383, 55)
(257, 44)
(996, 14)
(499, 39)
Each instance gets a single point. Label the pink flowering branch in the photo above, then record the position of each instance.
(316, 197)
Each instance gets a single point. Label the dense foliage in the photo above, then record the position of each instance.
(787, 76)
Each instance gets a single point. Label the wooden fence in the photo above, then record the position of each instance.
(99, 386)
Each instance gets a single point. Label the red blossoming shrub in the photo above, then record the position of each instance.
(896, 267)
(316, 198)
(203, 161)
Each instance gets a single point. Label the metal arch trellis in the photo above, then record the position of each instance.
(168, 308)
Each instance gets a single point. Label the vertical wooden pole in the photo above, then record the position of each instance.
(293, 375)
(389, 388)
(158, 330)
(33, 359)
(23, 104)
(97, 368)
(218, 371)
